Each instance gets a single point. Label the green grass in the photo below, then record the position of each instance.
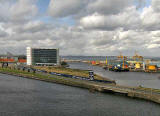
(75, 72)
(50, 78)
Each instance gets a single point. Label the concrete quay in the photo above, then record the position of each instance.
(133, 92)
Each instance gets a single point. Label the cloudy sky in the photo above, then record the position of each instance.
(81, 27)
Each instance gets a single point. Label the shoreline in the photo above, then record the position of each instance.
(148, 94)
(69, 71)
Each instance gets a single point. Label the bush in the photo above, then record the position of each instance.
(63, 63)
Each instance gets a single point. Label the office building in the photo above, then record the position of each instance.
(42, 56)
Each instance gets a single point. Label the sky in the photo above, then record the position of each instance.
(81, 27)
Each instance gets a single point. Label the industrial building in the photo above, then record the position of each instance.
(42, 56)
(10, 58)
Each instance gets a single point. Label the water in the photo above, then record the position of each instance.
(101, 58)
(83, 58)
(150, 80)
(25, 97)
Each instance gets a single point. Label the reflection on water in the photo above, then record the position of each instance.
(150, 80)
(26, 97)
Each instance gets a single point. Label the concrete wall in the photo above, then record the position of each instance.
(29, 56)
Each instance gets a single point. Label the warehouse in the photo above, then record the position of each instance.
(42, 56)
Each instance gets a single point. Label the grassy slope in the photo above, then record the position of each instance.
(75, 72)
(49, 78)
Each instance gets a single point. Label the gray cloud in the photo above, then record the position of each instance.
(31, 27)
(3, 34)
(63, 8)
(156, 5)
(150, 19)
(108, 6)
(23, 10)
(128, 19)
(17, 11)
(103, 27)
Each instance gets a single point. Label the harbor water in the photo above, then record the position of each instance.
(26, 97)
(149, 80)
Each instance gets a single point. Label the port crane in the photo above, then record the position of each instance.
(123, 58)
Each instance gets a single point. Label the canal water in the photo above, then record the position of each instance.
(26, 97)
(150, 80)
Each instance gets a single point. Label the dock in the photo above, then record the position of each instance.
(133, 92)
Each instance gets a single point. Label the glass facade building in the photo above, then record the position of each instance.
(40, 56)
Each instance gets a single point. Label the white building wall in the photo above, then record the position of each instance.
(58, 57)
(29, 56)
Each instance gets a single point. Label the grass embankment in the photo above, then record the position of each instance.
(148, 89)
(49, 78)
(75, 72)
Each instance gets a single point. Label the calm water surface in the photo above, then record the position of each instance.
(151, 80)
(26, 97)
